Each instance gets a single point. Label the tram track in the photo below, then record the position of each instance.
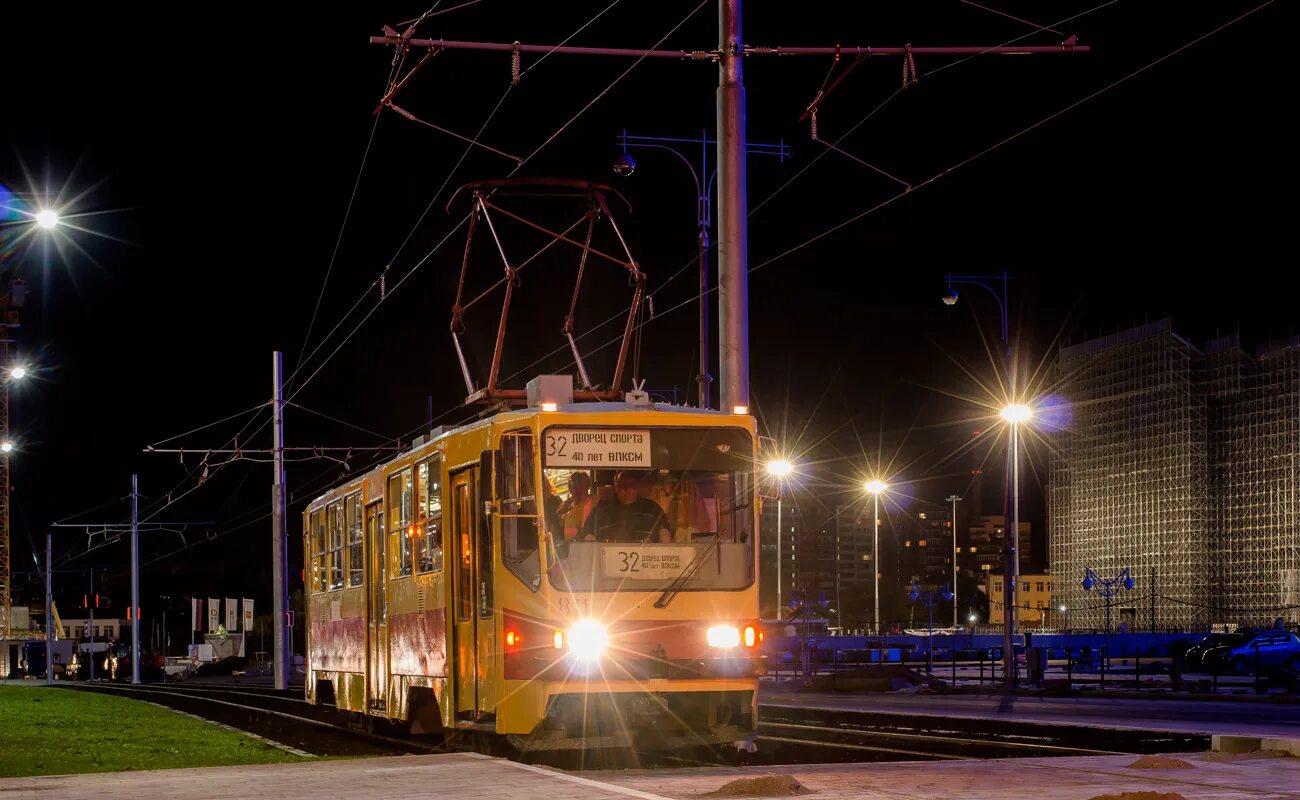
(784, 735)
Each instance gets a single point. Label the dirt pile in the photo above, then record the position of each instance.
(764, 786)
(1159, 762)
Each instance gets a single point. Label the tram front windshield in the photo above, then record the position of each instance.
(648, 509)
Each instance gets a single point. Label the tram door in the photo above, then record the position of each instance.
(465, 593)
(376, 610)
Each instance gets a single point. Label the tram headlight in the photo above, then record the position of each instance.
(588, 639)
(723, 636)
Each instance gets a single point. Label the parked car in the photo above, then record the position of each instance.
(1212, 651)
(1267, 650)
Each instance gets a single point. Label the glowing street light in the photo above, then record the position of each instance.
(779, 469)
(18, 373)
(47, 219)
(875, 487)
(6, 446)
(1016, 413)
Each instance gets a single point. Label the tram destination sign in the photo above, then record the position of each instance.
(605, 448)
(646, 561)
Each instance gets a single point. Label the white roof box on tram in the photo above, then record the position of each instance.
(557, 389)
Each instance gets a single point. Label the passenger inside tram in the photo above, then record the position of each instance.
(628, 516)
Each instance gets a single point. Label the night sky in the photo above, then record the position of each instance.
(214, 150)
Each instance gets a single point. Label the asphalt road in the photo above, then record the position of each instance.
(1188, 716)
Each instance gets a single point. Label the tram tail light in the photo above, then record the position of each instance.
(513, 639)
(750, 636)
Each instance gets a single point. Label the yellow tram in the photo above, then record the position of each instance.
(481, 581)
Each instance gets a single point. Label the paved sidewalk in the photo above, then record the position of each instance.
(1002, 779)
(476, 777)
(454, 775)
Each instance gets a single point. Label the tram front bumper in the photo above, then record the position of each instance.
(649, 717)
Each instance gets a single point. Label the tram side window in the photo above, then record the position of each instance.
(428, 508)
(334, 518)
(352, 522)
(401, 517)
(465, 570)
(519, 532)
(319, 553)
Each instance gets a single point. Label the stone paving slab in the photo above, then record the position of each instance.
(457, 775)
(471, 776)
(1001, 779)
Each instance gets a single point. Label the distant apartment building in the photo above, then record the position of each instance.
(1181, 464)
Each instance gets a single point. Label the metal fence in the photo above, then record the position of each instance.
(1061, 668)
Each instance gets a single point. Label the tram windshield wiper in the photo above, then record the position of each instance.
(676, 586)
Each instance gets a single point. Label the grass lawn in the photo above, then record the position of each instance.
(47, 731)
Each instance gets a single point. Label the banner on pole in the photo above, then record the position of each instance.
(232, 615)
(196, 614)
(248, 614)
(214, 614)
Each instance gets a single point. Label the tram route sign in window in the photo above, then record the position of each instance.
(648, 561)
(604, 448)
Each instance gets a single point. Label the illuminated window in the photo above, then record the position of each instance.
(921, 543)
(319, 552)
(519, 522)
(352, 524)
(334, 522)
(428, 508)
(401, 517)
(986, 567)
(972, 549)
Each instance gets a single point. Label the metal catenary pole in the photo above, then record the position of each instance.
(279, 535)
(49, 613)
(733, 212)
(135, 580)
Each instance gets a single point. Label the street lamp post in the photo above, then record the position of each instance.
(875, 487)
(15, 293)
(956, 552)
(1015, 414)
(1108, 588)
(704, 179)
(987, 282)
(930, 599)
(779, 469)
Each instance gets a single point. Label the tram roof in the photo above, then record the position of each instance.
(587, 407)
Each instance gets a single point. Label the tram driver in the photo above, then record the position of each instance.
(627, 516)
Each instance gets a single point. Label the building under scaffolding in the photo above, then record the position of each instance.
(1179, 464)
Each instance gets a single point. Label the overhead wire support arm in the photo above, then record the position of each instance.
(1066, 46)
(516, 47)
